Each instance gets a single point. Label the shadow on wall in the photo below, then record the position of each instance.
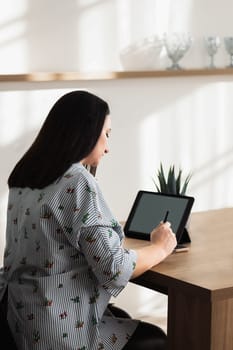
(138, 146)
(57, 38)
(212, 169)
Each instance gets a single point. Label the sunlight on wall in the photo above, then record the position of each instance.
(198, 141)
(162, 17)
(183, 18)
(123, 23)
(10, 130)
(96, 49)
(165, 137)
(214, 159)
(13, 43)
(132, 26)
(12, 10)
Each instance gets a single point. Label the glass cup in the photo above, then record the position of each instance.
(228, 41)
(212, 43)
(176, 45)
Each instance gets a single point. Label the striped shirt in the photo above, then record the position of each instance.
(63, 262)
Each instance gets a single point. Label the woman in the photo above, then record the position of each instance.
(64, 258)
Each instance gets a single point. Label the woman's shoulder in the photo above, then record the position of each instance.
(77, 172)
(76, 178)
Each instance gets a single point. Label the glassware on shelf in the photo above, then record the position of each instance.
(228, 41)
(143, 54)
(212, 43)
(176, 45)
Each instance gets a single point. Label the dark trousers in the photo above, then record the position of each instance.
(146, 336)
(6, 336)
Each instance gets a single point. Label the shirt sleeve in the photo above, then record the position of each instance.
(111, 263)
(91, 228)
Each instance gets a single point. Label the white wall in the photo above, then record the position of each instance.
(185, 121)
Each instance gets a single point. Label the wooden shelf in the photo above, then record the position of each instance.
(70, 76)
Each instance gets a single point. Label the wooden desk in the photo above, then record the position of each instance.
(199, 284)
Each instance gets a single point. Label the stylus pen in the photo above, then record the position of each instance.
(166, 215)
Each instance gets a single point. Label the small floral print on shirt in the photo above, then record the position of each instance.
(64, 279)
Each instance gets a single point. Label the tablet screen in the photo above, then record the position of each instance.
(150, 208)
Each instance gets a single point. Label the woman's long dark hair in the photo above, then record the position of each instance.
(68, 135)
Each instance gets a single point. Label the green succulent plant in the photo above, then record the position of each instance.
(172, 183)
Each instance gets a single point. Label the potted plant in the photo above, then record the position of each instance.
(172, 183)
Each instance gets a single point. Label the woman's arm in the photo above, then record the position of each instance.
(162, 244)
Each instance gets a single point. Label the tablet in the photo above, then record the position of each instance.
(150, 208)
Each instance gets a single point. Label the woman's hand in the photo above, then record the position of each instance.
(162, 244)
(164, 237)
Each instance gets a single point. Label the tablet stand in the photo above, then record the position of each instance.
(185, 238)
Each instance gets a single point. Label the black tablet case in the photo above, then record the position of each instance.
(184, 236)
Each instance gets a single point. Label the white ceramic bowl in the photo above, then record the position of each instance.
(142, 55)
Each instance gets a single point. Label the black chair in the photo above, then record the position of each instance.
(6, 336)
